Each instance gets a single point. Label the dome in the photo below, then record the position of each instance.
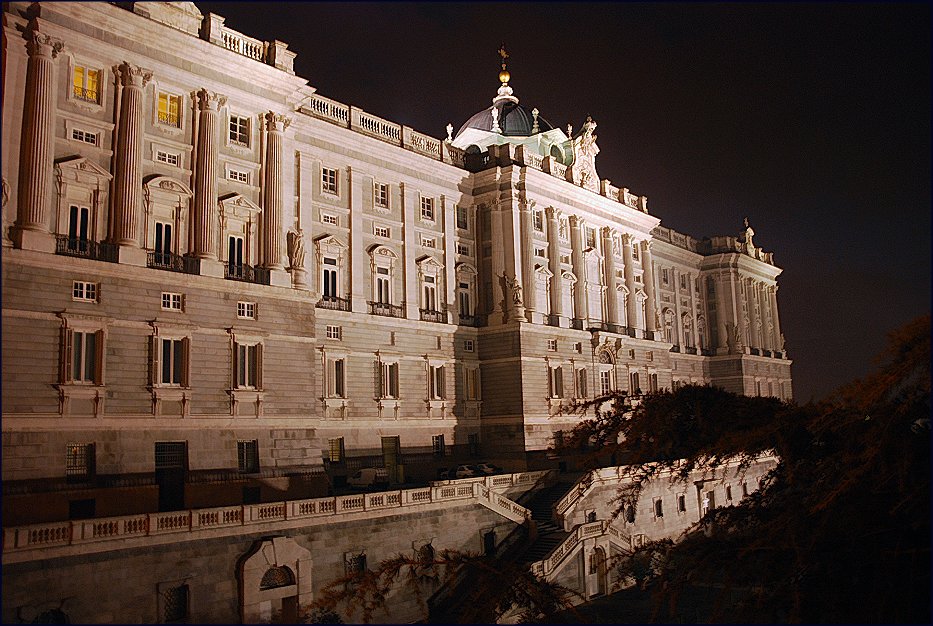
(514, 120)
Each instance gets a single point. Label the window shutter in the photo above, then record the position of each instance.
(67, 354)
(393, 380)
(185, 362)
(236, 365)
(155, 360)
(441, 383)
(99, 358)
(378, 380)
(259, 366)
(559, 381)
(330, 370)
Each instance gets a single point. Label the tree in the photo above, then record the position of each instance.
(839, 531)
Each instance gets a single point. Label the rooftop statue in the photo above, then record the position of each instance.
(583, 169)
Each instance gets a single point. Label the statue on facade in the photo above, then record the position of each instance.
(450, 133)
(296, 249)
(733, 338)
(514, 288)
(746, 238)
(583, 168)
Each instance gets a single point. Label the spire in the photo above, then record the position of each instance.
(505, 92)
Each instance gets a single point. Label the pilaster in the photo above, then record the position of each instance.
(579, 269)
(526, 255)
(360, 270)
(557, 281)
(631, 303)
(651, 302)
(409, 269)
(609, 276)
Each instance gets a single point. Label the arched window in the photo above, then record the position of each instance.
(605, 370)
(277, 577)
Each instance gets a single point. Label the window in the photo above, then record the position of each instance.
(578, 347)
(437, 445)
(80, 459)
(248, 456)
(696, 285)
(605, 382)
(471, 383)
(429, 294)
(437, 380)
(631, 353)
(78, 225)
(172, 301)
(744, 489)
(552, 345)
(565, 258)
(653, 383)
(169, 109)
(84, 136)
(336, 377)
(658, 509)
(428, 242)
(383, 286)
(86, 84)
(246, 310)
(635, 385)
(239, 130)
(581, 383)
(247, 365)
(683, 281)
(327, 218)
(332, 332)
(169, 158)
(330, 273)
(468, 345)
(239, 176)
(665, 276)
(463, 222)
(681, 503)
(463, 249)
(591, 237)
(427, 209)
(388, 380)
(464, 300)
(83, 357)
(635, 251)
(555, 382)
(539, 252)
(638, 278)
(381, 231)
(729, 492)
(329, 180)
(539, 221)
(171, 361)
(175, 604)
(335, 450)
(83, 291)
(473, 443)
(649, 355)
(235, 255)
(381, 195)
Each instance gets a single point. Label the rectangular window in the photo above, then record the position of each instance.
(78, 228)
(83, 291)
(84, 357)
(539, 221)
(239, 130)
(330, 278)
(581, 383)
(696, 285)
(463, 222)
(428, 242)
(354, 563)
(578, 347)
(653, 383)
(555, 382)
(658, 509)
(744, 489)
(329, 180)
(464, 300)
(638, 278)
(381, 195)
(175, 604)
(335, 451)
(649, 355)
(248, 456)
(163, 242)
(80, 459)
(681, 503)
(381, 231)
(84, 136)
(389, 382)
(591, 237)
(605, 382)
(429, 294)
(565, 258)
(539, 252)
(427, 209)
(336, 377)
(235, 255)
(172, 301)
(173, 361)
(246, 310)
(169, 109)
(168, 158)
(247, 366)
(87, 84)
(332, 332)
(683, 281)
(635, 385)
(327, 218)
(471, 383)
(437, 382)
(437, 445)
(463, 249)
(468, 345)
(729, 492)
(552, 345)
(383, 286)
(239, 176)
(635, 251)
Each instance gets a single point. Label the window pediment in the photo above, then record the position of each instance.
(465, 268)
(237, 205)
(80, 170)
(378, 250)
(164, 184)
(328, 244)
(541, 270)
(568, 276)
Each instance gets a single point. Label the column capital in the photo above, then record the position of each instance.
(132, 75)
(646, 244)
(41, 44)
(575, 221)
(627, 238)
(607, 231)
(553, 213)
(276, 121)
(208, 100)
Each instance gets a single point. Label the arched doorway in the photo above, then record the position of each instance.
(598, 567)
(275, 581)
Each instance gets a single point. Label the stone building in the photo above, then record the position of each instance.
(218, 283)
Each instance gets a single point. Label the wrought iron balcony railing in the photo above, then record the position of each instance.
(334, 303)
(88, 95)
(430, 315)
(690, 350)
(246, 273)
(675, 348)
(383, 308)
(173, 262)
(85, 248)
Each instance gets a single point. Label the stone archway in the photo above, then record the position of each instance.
(275, 580)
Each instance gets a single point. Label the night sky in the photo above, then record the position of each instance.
(813, 120)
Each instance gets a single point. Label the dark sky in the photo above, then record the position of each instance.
(811, 119)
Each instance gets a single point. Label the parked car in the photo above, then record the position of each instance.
(369, 477)
(488, 468)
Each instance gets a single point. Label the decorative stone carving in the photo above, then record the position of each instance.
(296, 249)
(208, 100)
(41, 44)
(132, 75)
(583, 169)
(515, 289)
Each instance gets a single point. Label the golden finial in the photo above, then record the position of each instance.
(504, 75)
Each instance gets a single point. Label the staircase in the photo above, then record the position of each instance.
(550, 535)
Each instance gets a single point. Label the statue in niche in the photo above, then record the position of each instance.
(296, 249)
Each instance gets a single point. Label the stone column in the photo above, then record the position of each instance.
(526, 253)
(498, 265)
(721, 280)
(204, 215)
(273, 192)
(557, 281)
(609, 272)
(37, 144)
(631, 303)
(767, 326)
(361, 272)
(750, 299)
(579, 267)
(124, 227)
(651, 304)
(678, 322)
(778, 337)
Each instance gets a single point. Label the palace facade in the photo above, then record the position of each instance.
(213, 274)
